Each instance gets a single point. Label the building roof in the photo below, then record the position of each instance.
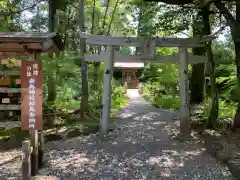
(27, 42)
(128, 65)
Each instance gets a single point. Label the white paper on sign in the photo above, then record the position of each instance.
(6, 100)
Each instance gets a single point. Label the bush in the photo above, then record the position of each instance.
(118, 97)
(167, 101)
(156, 93)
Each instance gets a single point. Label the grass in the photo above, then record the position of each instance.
(66, 125)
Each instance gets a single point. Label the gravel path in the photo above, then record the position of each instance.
(143, 147)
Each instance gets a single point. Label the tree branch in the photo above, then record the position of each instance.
(185, 34)
(21, 10)
(214, 35)
(105, 16)
(173, 2)
(183, 2)
(225, 12)
(113, 13)
(93, 16)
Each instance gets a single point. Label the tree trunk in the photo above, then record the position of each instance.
(197, 84)
(51, 82)
(212, 119)
(234, 25)
(84, 66)
(236, 123)
(235, 29)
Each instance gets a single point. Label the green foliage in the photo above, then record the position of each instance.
(68, 80)
(62, 73)
(226, 113)
(118, 97)
(158, 96)
(167, 101)
(161, 82)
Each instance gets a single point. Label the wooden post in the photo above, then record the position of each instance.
(140, 88)
(185, 123)
(125, 87)
(26, 163)
(40, 150)
(123, 77)
(34, 154)
(106, 100)
(34, 138)
(41, 141)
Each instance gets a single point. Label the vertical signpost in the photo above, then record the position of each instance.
(31, 89)
(22, 45)
(31, 105)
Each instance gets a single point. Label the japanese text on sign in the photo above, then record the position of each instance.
(32, 71)
(32, 103)
(31, 89)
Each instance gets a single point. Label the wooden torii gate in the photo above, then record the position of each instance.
(147, 54)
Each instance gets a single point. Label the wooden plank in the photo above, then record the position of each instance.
(16, 63)
(9, 107)
(10, 90)
(10, 124)
(5, 82)
(134, 41)
(9, 73)
(11, 47)
(4, 61)
(16, 55)
(140, 59)
(18, 81)
(33, 46)
(20, 47)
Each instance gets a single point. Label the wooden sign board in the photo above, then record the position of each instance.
(31, 90)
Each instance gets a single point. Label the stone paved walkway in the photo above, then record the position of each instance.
(143, 147)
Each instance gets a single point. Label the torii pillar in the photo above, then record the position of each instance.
(185, 120)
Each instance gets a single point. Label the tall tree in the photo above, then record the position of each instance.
(234, 24)
(84, 66)
(52, 89)
(200, 28)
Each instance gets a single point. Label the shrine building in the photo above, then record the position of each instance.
(129, 73)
